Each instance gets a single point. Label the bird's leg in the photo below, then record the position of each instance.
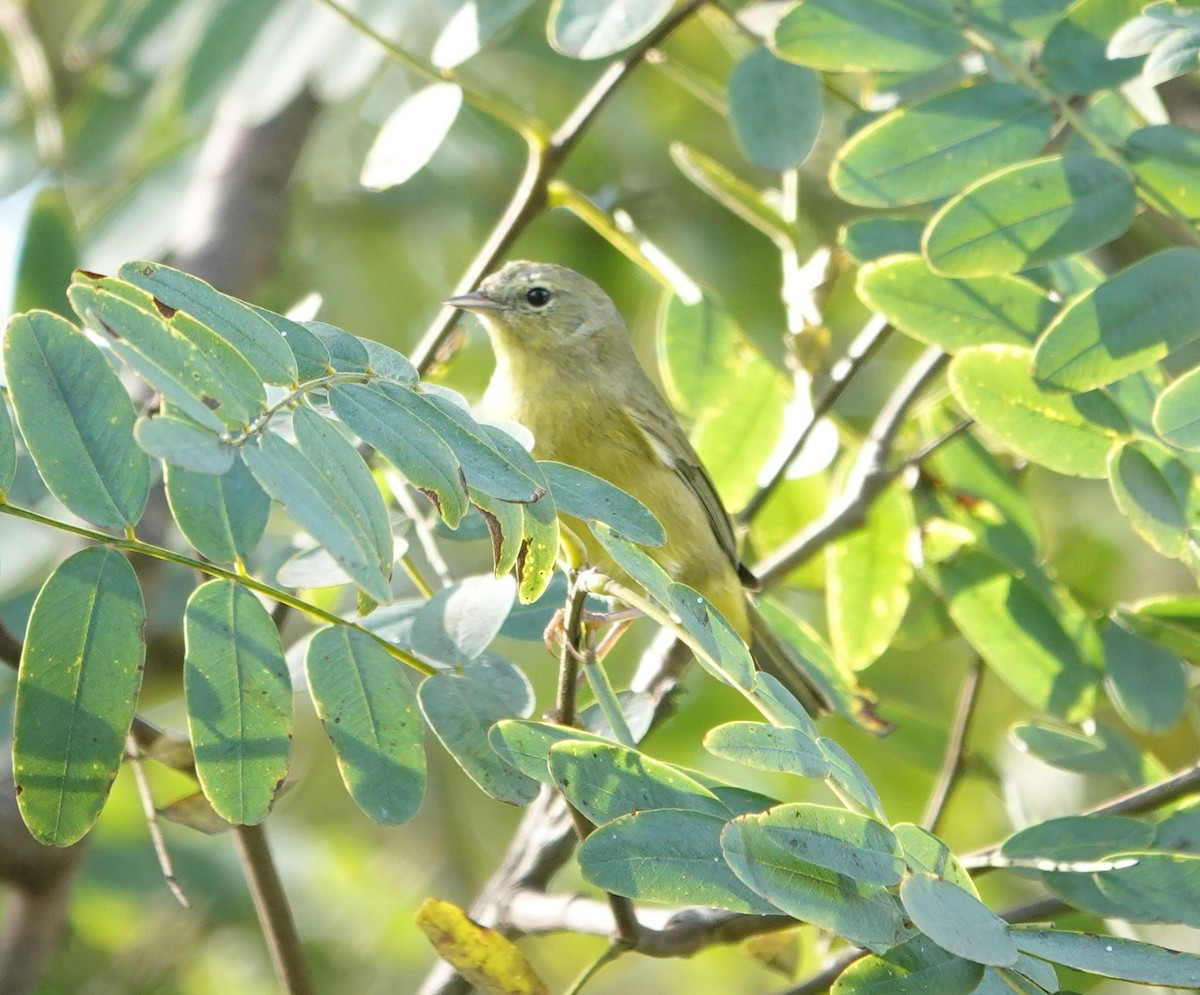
(555, 635)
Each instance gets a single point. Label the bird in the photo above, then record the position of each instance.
(567, 371)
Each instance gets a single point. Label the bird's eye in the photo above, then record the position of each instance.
(538, 296)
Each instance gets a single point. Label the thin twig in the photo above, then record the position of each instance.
(571, 650)
(274, 914)
(841, 373)
(869, 476)
(541, 165)
(36, 80)
(952, 760)
(152, 824)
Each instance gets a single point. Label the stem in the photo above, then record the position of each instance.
(274, 913)
(952, 761)
(212, 570)
(152, 824)
(568, 662)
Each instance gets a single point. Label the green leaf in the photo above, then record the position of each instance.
(459, 622)
(48, 254)
(584, 495)
(386, 362)
(866, 239)
(667, 855)
(1070, 434)
(258, 341)
(585, 30)
(1175, 416)
(8, 450)
(81, 668)
(182, 443)
(399, 435)
(868, 577)
(605, 781)
(1157, 493)
(1146, 682)
(925, 852)
(224, 516)
(1029, 214)
(917, 965)
(935, 147)
(956, 920)
(732, 192)
(311, 354)
(1103, 754)
(849, 779)
(697, 353)
(954, 314)
(504, 522)
(635, 562)
(868, 35)
(369, 711)
(1129, 321)
(473, 25)
(864, 914)
(1170, 620)
(189, 364)
(239, 700)
(832, 838)
(411, 135)
(77, 420)
(1008, 623)
(1166, 159)
(526, 744)
(460, 711)
(1155, 887)
(1078, 839)
(1075, 56)
(1028, 19)
(324, 485)
(775, 108)
(783, 749)
(347, 353)
(725, 655)
(1111, 956)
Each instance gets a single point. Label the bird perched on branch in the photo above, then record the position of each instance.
(566, 370)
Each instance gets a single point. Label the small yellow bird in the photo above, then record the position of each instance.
(566, 370)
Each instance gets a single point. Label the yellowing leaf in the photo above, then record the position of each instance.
(489, 961)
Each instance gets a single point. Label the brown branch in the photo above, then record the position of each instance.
(541, 166)
(952, 760)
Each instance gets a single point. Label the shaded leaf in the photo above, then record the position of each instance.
(184, 444)
(584, 30)
(917, 965)
(1111, 956)
(584, 495)
(956, 920)
(223, 516)
(775, 108)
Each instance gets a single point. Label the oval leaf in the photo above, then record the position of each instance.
(586, 30)
(1030, 214)
(584, 495)
(784, 749)
(183, 443)
(222, 516)
(411, 135)
(239, 700)
(957, 921)
(1111, 956)
(775, 108)
(81, 668)
(369, 711)
(1175, 413)
(917, 965)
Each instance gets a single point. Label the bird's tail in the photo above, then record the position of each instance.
(774, 656)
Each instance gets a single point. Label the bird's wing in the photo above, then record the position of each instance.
(673, 449)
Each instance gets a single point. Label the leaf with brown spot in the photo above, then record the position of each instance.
(487, 960)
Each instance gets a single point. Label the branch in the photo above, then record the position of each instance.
(870, 475)
(952, 762)
(541, 166)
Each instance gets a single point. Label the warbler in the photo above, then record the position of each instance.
(566, 370)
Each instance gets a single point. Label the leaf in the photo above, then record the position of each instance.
(347, 353)
(1077, 838)
(1103, 754)
(311, 354)
(866, 239)
(460, 711)
(459, 622)
(697, 354)
(526, 744)
(867, 915)
(956, 920)
(775, 108)
(849, 779)
(1075, 56)
(635, 562)
(667, 855)
(77, 689)
(47, 254)
(584, 495)
(327, 489)
(584, 30)
(868, 577)
(239, 700)
(369, 711)
(1008, 623)
(1166, 159)
(8, 451)
(605, 781)
(868, 35)
(504, 522)
(782, 749)
(917, 965)
(255, 338)
(1111, 956)
(1029, 214)
(935, 147)
(473, 25)
(1175, 417)
(223, 516)
(1129, 321)
(406, 441)
(731, 192)
(1157, 494)
(1147, 683)
(925, 852)
(182, 443)
(77, 420)
(411, 135)
(189, 364)
(1070, 434)
(954, 314)
(1154, 887)
(386, 362)
(486, 959)
(1171, 620)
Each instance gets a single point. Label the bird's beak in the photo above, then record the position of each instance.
(478, 301)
